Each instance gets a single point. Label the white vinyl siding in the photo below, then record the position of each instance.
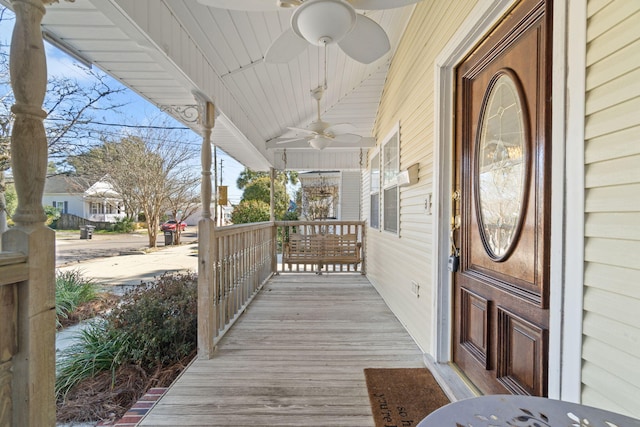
(611, 326)
(73, 203)
(394, 261)
(350, 196)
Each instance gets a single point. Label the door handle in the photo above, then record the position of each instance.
(454, 256)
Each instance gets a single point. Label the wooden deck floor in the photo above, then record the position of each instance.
(295, 358)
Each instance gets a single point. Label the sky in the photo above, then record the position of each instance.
(138, 111)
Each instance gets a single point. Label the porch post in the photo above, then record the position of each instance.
(272, 218)
(272, 194)
(32, 391)
(207, 250)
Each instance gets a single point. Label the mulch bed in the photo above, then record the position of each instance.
(89, 310)
(402, 397)
(107, 398)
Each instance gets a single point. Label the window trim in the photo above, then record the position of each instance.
(376, 154)
(393, 134)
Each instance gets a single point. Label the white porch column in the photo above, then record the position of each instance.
(272, 217)
(34, 363)
(207, 250)
(272, 194)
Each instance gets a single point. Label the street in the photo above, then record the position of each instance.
(71, 249)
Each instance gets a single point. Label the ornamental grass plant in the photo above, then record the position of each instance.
(72, 290)
(143, 342)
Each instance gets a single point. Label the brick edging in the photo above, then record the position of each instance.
(135, 414)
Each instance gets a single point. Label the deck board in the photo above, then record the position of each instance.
(294, 358)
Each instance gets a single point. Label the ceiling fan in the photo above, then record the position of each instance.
(323, 22)
(320, 134)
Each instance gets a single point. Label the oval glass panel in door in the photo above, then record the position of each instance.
(501, 166)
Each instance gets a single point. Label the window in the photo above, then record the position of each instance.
(374, 192)
(390, 170)
(96, 208)
(112, 208)
(62, 207)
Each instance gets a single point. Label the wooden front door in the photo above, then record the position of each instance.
(501, 205)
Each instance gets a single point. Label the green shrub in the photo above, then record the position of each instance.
(154, 326)
(72, 289)
(249, 211)
(53, 214)
(290, 216)
(160, 320)
(124, 225)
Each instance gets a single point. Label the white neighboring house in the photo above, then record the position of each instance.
(343, 193)
(227, 210)
(76, 196)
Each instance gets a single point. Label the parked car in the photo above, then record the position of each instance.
(171, 226)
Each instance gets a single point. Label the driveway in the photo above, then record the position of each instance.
(70, 249)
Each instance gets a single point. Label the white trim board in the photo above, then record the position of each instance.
(568, 211)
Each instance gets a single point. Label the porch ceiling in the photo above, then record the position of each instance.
(168, 50)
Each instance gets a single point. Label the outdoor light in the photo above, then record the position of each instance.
(321, 22)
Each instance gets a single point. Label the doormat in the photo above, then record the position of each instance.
(402, 397)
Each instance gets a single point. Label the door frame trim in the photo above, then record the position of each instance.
(568, 124)
(567, 188)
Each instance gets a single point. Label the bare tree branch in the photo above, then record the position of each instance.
(149, 171)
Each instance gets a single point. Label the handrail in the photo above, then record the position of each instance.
(241, 228)
(13, 268)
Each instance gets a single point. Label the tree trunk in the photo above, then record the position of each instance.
(152, 228)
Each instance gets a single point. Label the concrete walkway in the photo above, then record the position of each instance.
(127, 270)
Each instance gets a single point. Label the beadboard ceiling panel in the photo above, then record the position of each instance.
(168, 50)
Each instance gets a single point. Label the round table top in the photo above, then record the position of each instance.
(523, 411)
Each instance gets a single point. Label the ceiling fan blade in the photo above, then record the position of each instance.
(243, 5)
(340, 128)
(309, 131)
(379, 4)
(366, 42)
(347, 138)
(288, 142)
(286, 47)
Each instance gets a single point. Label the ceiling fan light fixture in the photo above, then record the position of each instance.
(319, 142)
(322, 22)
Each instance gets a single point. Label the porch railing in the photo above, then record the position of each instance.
(235, 261)
(322, 246)
(241, 259)
(13, 270)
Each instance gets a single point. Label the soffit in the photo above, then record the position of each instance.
(168, 50)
